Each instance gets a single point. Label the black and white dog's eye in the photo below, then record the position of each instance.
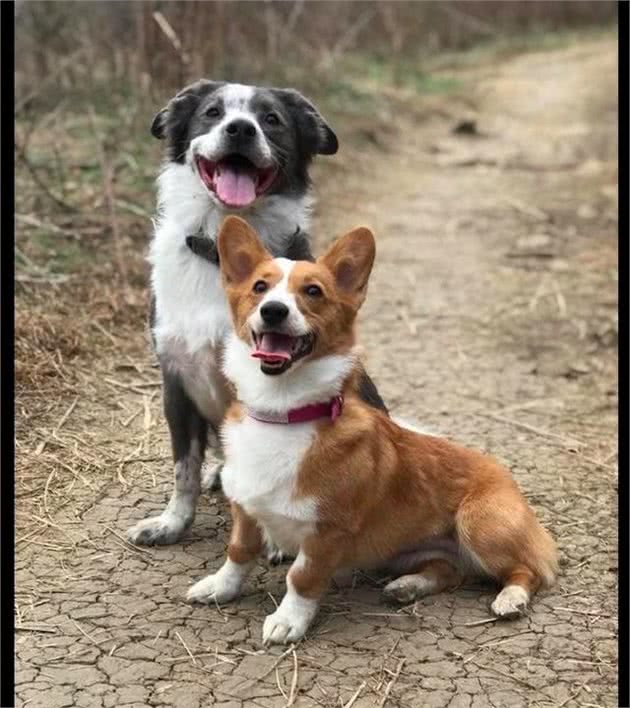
(313, 290)
(260, 286)
(272, 119)
(213, 112)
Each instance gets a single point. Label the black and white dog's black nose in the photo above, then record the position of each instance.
(241, 128)
(274, 312)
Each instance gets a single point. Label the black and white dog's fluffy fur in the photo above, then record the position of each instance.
(230, 149)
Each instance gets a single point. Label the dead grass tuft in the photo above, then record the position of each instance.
(44, 345)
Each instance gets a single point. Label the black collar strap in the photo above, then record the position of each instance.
(204, 247)
(298, 248)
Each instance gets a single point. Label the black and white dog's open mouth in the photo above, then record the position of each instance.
(277, 351)
(235, 180)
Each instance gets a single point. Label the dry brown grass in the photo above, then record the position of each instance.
(60, 328)
(76, 344)
(43, 346)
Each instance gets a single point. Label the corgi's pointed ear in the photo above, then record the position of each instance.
(350, 260)
(240, 250)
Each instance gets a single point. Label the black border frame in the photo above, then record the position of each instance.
(7, 319)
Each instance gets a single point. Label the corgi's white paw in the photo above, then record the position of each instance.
(511, 602)
(222, 586)
(291, 620)
(408, 588)
(281, 629)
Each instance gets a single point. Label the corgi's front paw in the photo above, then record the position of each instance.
(223, 586)
(279, 629)
(290, 621)
(212, 589)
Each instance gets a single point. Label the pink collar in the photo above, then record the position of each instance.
(331, 410)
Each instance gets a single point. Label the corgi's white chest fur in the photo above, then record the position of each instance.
(263, 459)
(260, 474)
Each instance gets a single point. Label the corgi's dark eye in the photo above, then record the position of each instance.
(272, 119)
(260, 286)
(213, 112)
(313, 290)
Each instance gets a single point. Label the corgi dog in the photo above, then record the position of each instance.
(323, 474)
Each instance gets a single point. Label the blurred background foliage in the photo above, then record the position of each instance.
(91, 75)
(104, 50)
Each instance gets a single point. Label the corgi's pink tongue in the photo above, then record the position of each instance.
(235, 187)
(273, 347)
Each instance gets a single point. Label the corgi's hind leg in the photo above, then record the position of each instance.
(514, 598)
(503, 537)
(431, 577)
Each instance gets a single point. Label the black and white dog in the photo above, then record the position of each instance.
(230, 149)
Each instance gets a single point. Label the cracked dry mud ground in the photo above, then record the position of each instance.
(490, 319)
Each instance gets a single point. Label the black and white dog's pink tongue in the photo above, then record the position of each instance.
(273, 347)
(235, 187)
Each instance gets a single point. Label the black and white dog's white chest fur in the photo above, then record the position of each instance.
(230, 149)
(191, 317)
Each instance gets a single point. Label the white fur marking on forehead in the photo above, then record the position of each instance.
(280, 290)
(236, 96)
(285, 265)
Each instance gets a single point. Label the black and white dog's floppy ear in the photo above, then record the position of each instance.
(319, 136)
(181, 105)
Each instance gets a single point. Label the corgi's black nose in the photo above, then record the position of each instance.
(274, 312)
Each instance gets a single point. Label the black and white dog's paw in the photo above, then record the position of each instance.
(159, 530)
(275, 554)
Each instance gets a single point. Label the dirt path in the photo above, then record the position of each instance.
(491, 319)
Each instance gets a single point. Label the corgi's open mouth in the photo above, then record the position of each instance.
(278, 352)
(235, 180)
